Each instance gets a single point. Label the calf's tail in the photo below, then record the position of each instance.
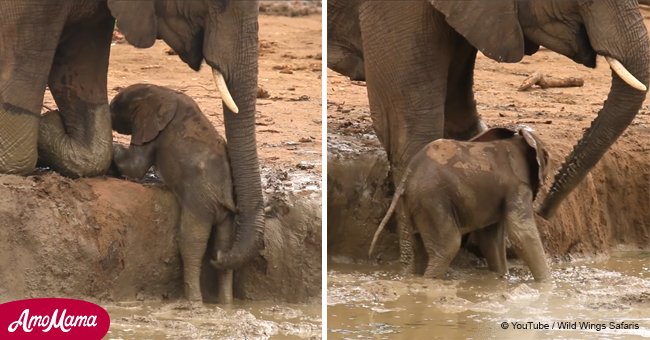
(398, 193)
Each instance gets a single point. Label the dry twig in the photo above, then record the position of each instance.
(545, 82)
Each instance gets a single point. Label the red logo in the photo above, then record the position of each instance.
(53, 318)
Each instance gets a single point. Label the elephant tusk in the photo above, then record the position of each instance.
(223, 89)
(622, 72)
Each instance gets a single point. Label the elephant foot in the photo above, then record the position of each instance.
(543, 277)
(409, 269)
(76, 149)
(406, 272)
(189, 305)
(195, 299)
(434, 273)
(192, 291)
(224, 287)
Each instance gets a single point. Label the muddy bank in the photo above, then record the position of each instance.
(289, 266)
(609, 207)
(358, 195)
(115, 240)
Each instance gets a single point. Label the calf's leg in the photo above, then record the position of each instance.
(194, 233)
(491, 241)
(524, 236)
(224, 233)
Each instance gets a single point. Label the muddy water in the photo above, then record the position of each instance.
(245, 320)
(370, 302)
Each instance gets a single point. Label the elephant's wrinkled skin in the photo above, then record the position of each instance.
(418, 56)
(485, 186)
(65, 45)
(169, 131)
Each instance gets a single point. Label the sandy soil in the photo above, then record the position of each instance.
(615, 195)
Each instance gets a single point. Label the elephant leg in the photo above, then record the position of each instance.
(76, 139)
(194, 233)
(224, 238)
(524, 236)
(407, 83)
(18, 140)
(462, 121)
(407, 241)
(28, 48)
(492, 242)
(441, 238)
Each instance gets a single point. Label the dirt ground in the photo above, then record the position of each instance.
(609, 207)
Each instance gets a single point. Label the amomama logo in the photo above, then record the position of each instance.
(53, 318)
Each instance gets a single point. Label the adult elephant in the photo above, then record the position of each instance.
(418, 59)
(65, 45)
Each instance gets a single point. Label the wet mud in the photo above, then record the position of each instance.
(358, 195)
(244, 320)
(377, 302)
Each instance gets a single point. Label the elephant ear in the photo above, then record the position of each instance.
(492, 26)
(136, 20)
(537, 159)
(149, 119)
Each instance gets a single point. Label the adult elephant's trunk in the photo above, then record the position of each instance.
(234, 56)
(623, 103)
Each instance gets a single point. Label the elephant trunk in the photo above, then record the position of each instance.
(240, 73)
(622, 105)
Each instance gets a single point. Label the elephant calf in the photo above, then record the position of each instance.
(486, 186)
(169, 131)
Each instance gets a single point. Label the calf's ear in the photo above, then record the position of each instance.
(537, 159)
(151, 117)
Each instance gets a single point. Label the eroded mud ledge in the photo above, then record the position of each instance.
(611, 206)
(116, 240)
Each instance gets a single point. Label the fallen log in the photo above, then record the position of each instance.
(545, 82)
